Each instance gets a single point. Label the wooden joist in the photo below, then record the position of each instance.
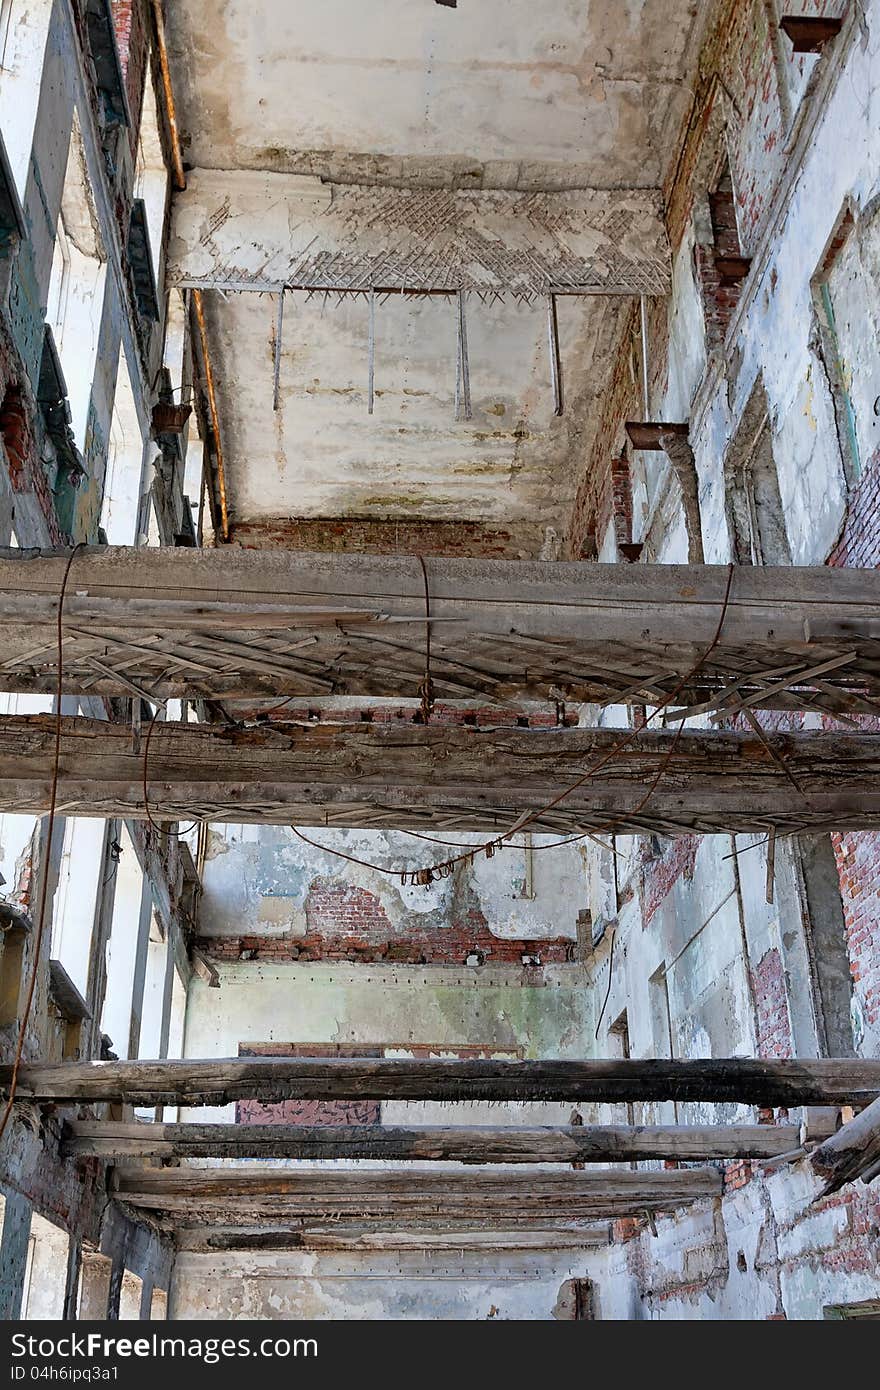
(220, 1081)
(381, 776)
(357, 1236)
(853, 1152)
(462, 1144)
(245, 624)
(486, 1197)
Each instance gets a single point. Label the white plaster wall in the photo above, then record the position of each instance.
(46, 1275)
(773, 332)
(257, 878)
(373, 1285)
(23, 37)
(437, 1006)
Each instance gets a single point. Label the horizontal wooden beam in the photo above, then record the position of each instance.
(464, 1144)
(485, 1196)
(358, 1236)
(448, 777)
(220, 1081)
(245, 624)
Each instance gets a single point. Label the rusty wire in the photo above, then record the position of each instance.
(427, 874)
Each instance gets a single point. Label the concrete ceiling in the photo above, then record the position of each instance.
(503, 93)
(496, 94)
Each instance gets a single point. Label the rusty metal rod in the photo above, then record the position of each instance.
(170, 108)
(212, 405)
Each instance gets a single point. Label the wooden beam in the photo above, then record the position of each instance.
(213, 1239)
(249, 624)
(470, 1144)
(381, 776)
(220, 1081)
(485, 1196)
(853, 1152)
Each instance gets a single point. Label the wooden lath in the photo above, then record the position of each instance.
(266, 624)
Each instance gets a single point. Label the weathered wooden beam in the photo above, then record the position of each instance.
(220, 1081)
(213, 1239)
(482, 780)
(245, 623)
(853, 1152)
(483, 1196)
(465, 1144)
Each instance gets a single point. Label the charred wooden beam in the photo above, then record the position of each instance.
(382, 776)
(853, 1152)
(220, 1081)
(249, 624)
(465, 1144)
(359, 1236)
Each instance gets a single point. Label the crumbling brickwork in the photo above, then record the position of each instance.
(348, 923)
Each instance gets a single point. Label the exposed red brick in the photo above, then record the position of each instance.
(345, 923)
(364, 536)
(771, 1006)
(858, 854)
(660, 875)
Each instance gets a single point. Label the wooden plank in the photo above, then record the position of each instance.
(485, 1196)
(500, 629)
(214, 1239)
(220, 1081)
(409, 777)
(464, 1144)
(853, 1152)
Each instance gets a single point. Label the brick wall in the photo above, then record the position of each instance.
(771, 1006)
(308, 1112)
(659, 875)
(364, 536)
(133, 40)
(346, 923)
(858, 855)
(20, 428)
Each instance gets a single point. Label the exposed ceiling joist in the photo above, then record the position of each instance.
(489, 781)
(220, 1081)
(245, 623)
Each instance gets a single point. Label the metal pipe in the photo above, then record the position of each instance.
(212, 406)
(170, 109)
(279, 326)
(643, 315)
(464, 365)
(372, 353)
(555, 357)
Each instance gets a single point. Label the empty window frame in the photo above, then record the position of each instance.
(846, 303)
(75, 302)
(155, 983)
(24, 29)
(46, 1272)
(122, 947)
(755, 514)
(122, 504)
(151, 178)
(80, 880)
